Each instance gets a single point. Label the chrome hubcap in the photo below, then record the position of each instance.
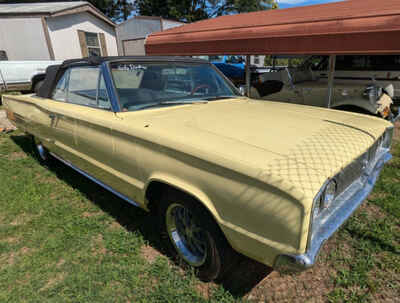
(189, 239)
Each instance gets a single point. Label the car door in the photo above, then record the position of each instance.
(94, 118)
(95, 142)
(63, 123)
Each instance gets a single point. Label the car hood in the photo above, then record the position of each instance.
(295, 143)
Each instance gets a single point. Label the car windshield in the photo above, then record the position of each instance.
(146, 85)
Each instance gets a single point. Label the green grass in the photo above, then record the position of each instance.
(65, 239)
(372, 271)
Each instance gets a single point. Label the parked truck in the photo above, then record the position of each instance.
(26, 76)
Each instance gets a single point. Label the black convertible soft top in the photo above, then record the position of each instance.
(54, 72)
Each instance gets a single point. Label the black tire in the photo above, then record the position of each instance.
(37, 86)
(219, 257)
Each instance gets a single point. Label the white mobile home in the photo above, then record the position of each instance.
(55, 31)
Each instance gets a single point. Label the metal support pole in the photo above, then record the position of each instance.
(247, 74)
(331, 78)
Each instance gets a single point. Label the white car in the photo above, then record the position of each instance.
(359, 85)
(23, 75)
(384, 70)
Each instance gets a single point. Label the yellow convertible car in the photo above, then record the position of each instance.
(272, 181)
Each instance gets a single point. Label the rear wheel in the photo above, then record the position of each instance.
(41, 152)
(192, 236)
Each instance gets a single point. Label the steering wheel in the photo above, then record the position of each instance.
(198, 87)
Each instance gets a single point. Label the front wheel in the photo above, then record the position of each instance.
(193, 237)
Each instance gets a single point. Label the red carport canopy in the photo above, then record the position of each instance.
(349, 27)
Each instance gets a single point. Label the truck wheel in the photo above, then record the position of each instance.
(192, 236)
(37, 86)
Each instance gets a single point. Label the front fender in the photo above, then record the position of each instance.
(186, 187)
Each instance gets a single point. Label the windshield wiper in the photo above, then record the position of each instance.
(170, 103)
(183, 102)
(221, 97)
(177, 102)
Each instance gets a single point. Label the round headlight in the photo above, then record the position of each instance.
(329, 194)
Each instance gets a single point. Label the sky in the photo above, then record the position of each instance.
(292, 3)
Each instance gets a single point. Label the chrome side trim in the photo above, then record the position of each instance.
(345, 204)
(105, 186)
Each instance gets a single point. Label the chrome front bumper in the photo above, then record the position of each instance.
(345, 204)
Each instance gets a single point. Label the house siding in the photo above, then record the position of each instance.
(23, 38)
(132, 33)
(135, 29)
(63, 31)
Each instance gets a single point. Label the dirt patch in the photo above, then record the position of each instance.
(16, 156)
(315, 283)
(373, 211)
(149, 253)
(376, 196)
(24, 250)
(22, 219)
(54, 281)
(87, 214)
(5, 124)
(98, 248)
(10, 240)
(7, 259)
(49, 180)
(114, 225)
(205, 289)
(257, 283)
(60, 263)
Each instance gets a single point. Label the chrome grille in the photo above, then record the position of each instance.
(350, 174)
(373, 150)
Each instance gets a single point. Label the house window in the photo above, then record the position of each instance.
(93, 44)
(256, 59)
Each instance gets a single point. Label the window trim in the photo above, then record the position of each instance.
(65, 84)
(101, 72)
(97, 47)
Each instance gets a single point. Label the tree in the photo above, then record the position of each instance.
(194, 10)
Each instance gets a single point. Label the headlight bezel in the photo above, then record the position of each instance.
(322, 200)
(387, 138)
